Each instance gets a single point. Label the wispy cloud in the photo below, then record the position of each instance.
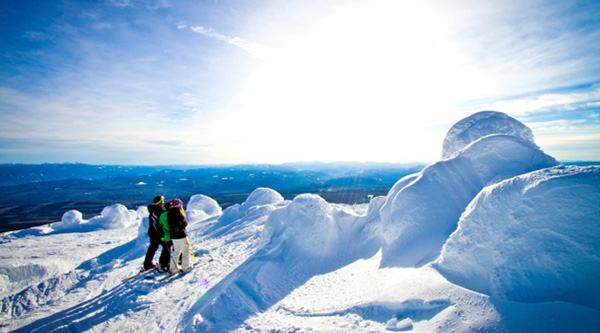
(38, 36)
(257, 50)
(121, 3)
(576, 99)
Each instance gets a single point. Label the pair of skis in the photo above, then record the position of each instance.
(146, 273)
(196, 263)
(140, 273)
(181, 273)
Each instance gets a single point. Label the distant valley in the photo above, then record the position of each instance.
(39, 194)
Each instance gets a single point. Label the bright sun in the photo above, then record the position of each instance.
(367, 77)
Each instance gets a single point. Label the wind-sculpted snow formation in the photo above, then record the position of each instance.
(479, 125)
(422, 210)
(247, 219)
(305, 238)
(532, 238)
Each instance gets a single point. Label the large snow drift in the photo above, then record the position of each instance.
(304, 238)
(422, 210)
(532, 238)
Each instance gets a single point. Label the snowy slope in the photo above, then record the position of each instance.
(494, 237)
(542, 245)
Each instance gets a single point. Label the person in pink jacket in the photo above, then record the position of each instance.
(181, 244)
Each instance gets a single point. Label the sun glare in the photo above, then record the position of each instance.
(366, 77)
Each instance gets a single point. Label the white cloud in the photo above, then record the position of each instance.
(570, 100)
(182, 25)
(121, 3)
(255, 49)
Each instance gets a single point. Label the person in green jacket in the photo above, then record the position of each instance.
(166, 239)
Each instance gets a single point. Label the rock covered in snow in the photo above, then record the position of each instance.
(532, 238)
(423, 209)
(479, 125)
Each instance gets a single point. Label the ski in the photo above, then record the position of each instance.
(140, 273)
(178, 275)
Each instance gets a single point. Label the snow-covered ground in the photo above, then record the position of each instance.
(495, 237)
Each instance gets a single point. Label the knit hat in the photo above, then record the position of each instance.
(176, 203)
(158, 200)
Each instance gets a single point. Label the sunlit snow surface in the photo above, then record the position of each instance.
(494, 237)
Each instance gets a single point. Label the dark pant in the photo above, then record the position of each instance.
(165, 254)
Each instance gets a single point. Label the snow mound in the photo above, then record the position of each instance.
(532, 238)
(112, 217)
(115, 217)
(482, 124)
(307, 224)
(201, 207)
(312, 227)
(248, 219)
(263, 196)
(72, 219)
(422, 210)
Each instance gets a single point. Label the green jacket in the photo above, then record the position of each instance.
(164, 223)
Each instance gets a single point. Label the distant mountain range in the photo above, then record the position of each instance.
(34, 194)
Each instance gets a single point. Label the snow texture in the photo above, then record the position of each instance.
(479, 125)
(495, 237)
(532, 238)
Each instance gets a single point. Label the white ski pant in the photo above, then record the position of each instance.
(180, 246)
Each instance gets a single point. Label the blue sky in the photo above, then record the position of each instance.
(219, 82)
